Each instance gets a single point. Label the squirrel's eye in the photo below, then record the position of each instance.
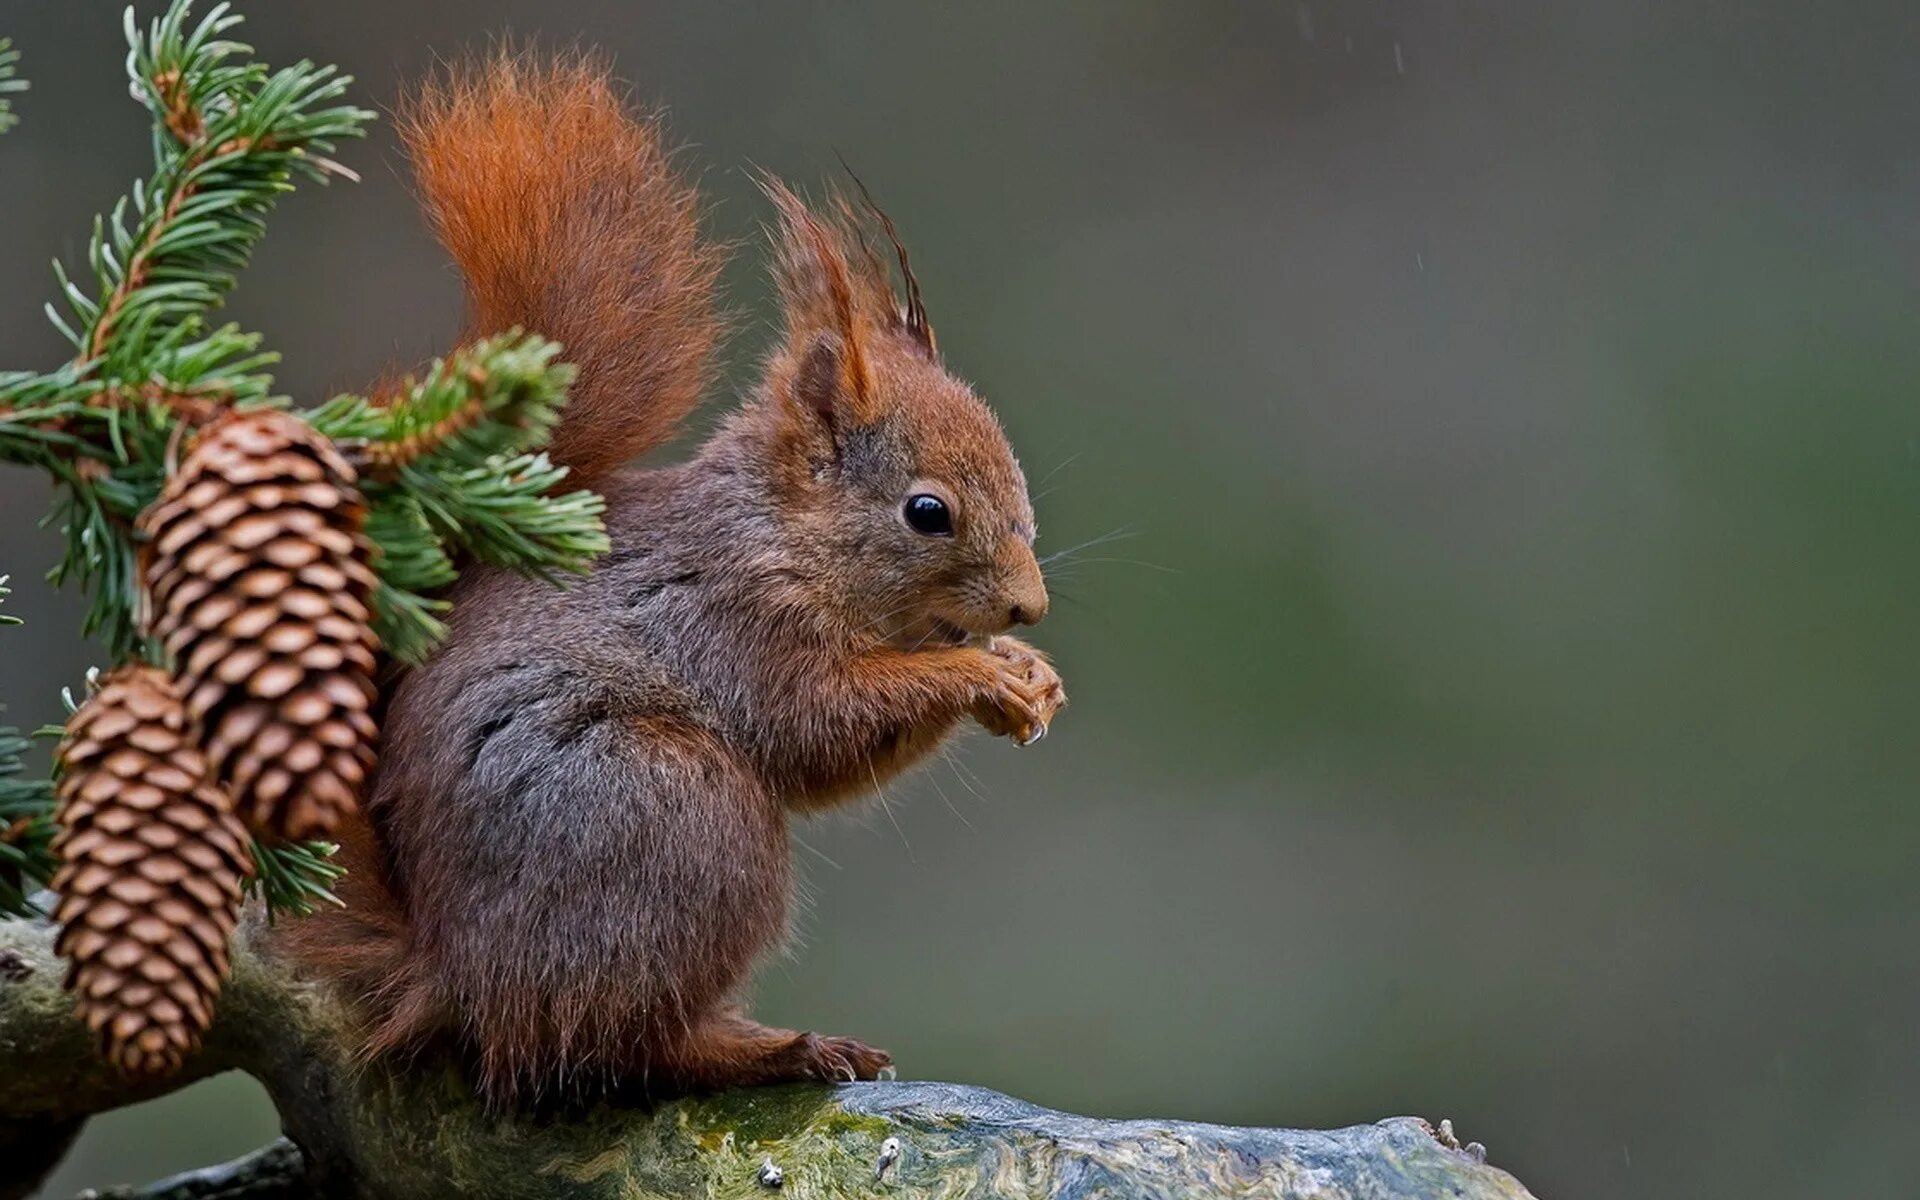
(929, 515)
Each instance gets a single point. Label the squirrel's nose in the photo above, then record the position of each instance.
(1026, 591)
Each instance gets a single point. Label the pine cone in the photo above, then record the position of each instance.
(257, 583)
(150, 879)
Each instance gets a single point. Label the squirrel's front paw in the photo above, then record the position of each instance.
(1025, 695)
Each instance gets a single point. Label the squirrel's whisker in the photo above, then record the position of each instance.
(1131, 562)
(1062, 465)
(944, 799)
(1121, 534)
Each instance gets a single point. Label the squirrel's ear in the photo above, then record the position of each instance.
(820, 385)
(822, 297)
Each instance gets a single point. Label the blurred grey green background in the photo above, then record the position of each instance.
(1502, 703)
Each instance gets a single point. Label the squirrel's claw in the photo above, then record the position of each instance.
(1026, 694)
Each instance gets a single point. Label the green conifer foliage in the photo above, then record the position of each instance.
(450, 462)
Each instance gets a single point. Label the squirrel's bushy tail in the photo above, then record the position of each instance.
(562, 210)
(365, 946)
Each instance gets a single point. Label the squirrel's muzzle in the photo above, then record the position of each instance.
(1023, 587)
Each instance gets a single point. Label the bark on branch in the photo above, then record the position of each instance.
(416, 1134)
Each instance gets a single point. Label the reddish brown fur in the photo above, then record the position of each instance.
(566, 219)
(580, 818)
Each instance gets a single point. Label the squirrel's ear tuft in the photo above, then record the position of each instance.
(830, 309)
(911, 317)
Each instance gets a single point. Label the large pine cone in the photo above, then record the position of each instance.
(150, 879)
(257, 581)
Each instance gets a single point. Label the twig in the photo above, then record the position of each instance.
(276, 1171)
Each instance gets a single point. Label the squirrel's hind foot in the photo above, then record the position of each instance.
(838, 1059)
(733, 1051)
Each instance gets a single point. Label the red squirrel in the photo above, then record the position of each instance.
(577, 840)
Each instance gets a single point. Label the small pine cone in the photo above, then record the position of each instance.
(149, 883)
(258, 584)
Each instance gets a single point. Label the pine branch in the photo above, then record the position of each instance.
(412, 564)
(230, 136)
(296, 878)
(498, 395)
(228, 139)
(95, 511)
(503, 513)
(448, 466)
(26, 819)
(27, 861)
(450, 463)
(10, 83)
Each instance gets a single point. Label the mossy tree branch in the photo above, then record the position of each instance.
(418, 1134)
